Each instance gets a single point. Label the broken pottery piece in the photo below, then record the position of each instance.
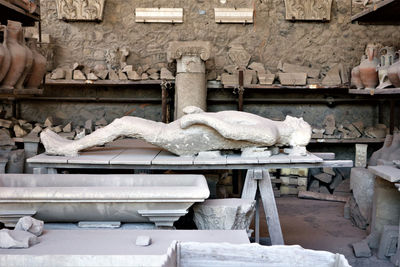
(292, 79)
(222, 130)
(30, 225)
(332, 78)
(17, 239)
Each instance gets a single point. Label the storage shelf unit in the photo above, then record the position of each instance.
(9, 11)
(385, 12)
(388, 91)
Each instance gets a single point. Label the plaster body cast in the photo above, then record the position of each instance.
(195, 132)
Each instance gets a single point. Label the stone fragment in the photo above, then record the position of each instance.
(336, 181)
(5, 123)
(343, 189)
(375, 132)
(5, 138)
(67, 128)
(346, 211)
(330, 121)
(99, 67)
(102, 74)
(292, 68)
(229, 79)
(359, 126)
(361, 249)
(224, 214)
(19, 132)
(355, 215)
(57, 129)
(89, 125)
(92, 77)
(154, 76)
(112, 75)
(332, 78)
(30, 225)
(257, 66)
(314, 186)
(69, 74)
(133, 75)
(266, 79)
(16, 239)
(165, 74)
(145, 67)
(362, 184)
(292, 79)
(230, 69)
(78, 66)
(101, 122)
(145, 76)
(58, 74)
(143, 241)
(127, 68)
(329, 170)
(330, 131)
(69, 136)
(151, 71)
(79, 134)
(239, 56)
(122, 76)
(79, 75)
(48, 122)
(323, 177)
(139, 70)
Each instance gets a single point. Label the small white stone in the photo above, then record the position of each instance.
(143, 241)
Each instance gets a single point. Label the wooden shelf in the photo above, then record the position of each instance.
(20, 92)
(364, 140)
(9, 11)
(102, 82)
(388, 91)
(385, 12)
(279, 87)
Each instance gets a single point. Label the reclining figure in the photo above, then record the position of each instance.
(195, 132)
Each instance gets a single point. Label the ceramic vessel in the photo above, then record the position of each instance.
(355, 78)
(28, 63)
(387, 55)
(17, 55)
(38, 69)
(394, 72)
(28, 5)
(368, 67)
(6, 61)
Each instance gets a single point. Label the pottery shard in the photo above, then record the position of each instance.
(324, 177)
(78, 75)
(224, 214)
(257, 66)
(133, 75)
(30, 225)
(37, 129)
(17, 239)
(5, 123)
(112, 75)
(58, 74)
(145, 76)
(293, 78)
(48, 122)
(19, 132)
(127, 68)
(291, 68)
(165, 74)
(92, 77)
(332, 78)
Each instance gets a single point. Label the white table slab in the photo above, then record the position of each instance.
(136, 156)
(100, 155)
(167, 158)
(389, 173)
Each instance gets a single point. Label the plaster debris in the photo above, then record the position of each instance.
(30, 225)
(16, 239)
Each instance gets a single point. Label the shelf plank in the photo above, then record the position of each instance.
(279, 86)
(102, 82)
(16, 13)
(388, 91)
(385, 12)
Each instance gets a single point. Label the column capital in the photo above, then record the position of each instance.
(177, 49)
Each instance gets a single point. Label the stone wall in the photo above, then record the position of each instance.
(271, 38)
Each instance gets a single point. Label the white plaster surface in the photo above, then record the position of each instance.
(192, 133)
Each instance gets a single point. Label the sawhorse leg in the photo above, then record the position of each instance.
(257, 178)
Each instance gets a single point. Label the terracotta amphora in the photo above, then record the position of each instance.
(368, 67)
(355, 78)
(38, 70)
(5, 63)
(17, 55)
(394, 72)
(28, 63)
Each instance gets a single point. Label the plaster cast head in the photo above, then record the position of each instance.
(301, 133)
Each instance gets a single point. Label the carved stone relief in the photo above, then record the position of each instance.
(73, 10)
(239, 56)
(308, 9)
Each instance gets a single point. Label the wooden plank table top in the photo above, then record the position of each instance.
(131, 153)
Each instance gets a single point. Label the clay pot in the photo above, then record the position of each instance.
(27, 5)
(38, 70)
(368, 68)
(394, 72)
(355, 78)
(6, 58)
(17, 55)
(28, 63)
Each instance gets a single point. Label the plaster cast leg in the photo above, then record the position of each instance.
(125, 126)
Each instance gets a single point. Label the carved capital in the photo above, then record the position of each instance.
(80, 10)
(178, 49)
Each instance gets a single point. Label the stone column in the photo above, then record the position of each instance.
(190, 81)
